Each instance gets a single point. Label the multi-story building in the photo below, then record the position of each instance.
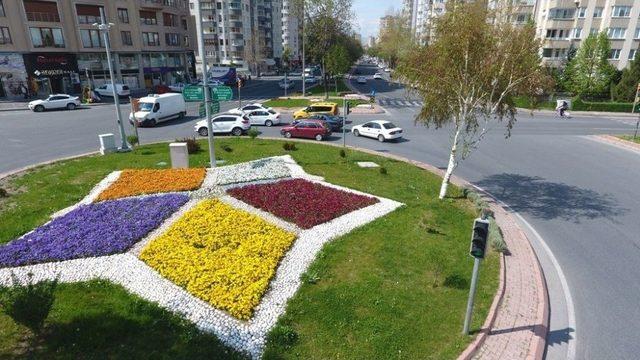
(53, 46)
(564, 24)
(290, 33)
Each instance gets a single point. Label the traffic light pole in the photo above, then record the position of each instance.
(205, 86)
(472, 295)
(344, 122)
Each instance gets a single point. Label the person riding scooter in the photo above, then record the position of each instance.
(564, 106)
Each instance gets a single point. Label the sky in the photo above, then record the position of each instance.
(369, 12)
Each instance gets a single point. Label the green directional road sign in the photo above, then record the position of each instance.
(193, 93)
(223, 93)
(214, 108)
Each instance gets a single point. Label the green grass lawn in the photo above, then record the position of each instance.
(319, 89)
(630, 138)
(395, 288)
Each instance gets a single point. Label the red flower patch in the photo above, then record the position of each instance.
(302, 202)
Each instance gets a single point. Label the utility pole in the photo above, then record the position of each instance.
(205, 87)
(104, 27)
(304, 84)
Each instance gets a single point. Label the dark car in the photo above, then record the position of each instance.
(310, 129)
(334, 122)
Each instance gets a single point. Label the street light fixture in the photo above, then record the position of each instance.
(104, 28)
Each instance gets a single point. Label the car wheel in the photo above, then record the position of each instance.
(152, 123)
(236, 131)
(181, 115)
(380, 138)
(71, 106)
(203, 131)
(356, 133)
(38, 108)
(268, 123)
(287, 135)
(319, 137)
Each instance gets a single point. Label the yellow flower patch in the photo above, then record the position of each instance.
(221, 255)
(148, 181)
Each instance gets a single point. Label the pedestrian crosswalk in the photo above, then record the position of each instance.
(399, 102)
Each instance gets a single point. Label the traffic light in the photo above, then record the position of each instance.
(479, 237)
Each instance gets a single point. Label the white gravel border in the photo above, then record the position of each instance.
(140, 279)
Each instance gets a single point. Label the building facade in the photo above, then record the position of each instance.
(290, 30)
(61, 49)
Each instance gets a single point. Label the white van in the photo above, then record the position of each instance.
(154, 108)
(107, 90)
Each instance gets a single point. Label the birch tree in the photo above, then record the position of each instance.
(476, 63)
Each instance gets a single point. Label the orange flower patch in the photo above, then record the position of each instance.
(147, 181)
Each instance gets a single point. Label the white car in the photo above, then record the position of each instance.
(288, 84)
(387, 69)
(178, 87)
(107, 90)
(378, 129)
(264, 117)
(248, 108)
(377, 76)
(361, 80)
(225, 123)
(55, 101)
(310, 79)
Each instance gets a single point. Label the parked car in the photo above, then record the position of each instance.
(377, 76)
(310, 129)
(178, 87)
(263, 117)
(248, 108)
(285, 84)
(335, 122)
(107, 90)
(225, 123)
(316, 108)
(387, 69)
(361, 80)
(55, 101)
(378, 129)
(155, 108)
(310, 79)
(296, 72)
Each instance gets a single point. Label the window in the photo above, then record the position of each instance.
(46, 37)
(551, 33)
(577, 33)
(183, 20)
(558, 33)
(597, 12)
(521, 18)
(617, 33)
(148, 18)
(88, 14)
(560, 53)
(172, 39)
(126, 38)
(615, 54)
(170, 20)
(621, 11)
(5, 36)
(2, 8)
(582, 12)
(637, 34)
(593, 31)
(91, 38)
(150, 39)
(186, 41)
(632, 54)
(561, 13)
(43, 11)
(123, 16)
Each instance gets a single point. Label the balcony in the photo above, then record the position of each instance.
(43, 17)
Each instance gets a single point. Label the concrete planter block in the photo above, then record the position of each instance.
(107, 143)
(179, 155)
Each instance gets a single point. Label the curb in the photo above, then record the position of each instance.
(617, 142)
(581, 113)
(532, 336)
(80, 107)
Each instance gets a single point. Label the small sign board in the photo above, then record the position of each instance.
(223, 93)
(193, 93)
(214, 108)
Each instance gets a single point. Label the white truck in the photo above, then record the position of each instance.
(154, 108)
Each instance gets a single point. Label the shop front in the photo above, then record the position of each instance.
(13, 77)
(164, 69)
(52, 73)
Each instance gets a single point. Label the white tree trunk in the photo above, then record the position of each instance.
(453, 162)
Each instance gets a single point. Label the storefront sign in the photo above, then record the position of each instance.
(50, 64)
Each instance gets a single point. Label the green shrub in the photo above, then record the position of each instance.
(193, 146)
(283, 335)
(343, 153)
(581, 105)
(289, 146)
(253, 133)
(226, 148)
(28, 305)
(3, 193)
(133, 140)
(496, 239)
(383, 170)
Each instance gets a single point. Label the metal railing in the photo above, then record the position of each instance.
(43, 16)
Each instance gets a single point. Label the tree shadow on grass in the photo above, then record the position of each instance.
(549, 200)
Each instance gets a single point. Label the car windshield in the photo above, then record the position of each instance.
(145, 106)
(389, 125)
(272, 112)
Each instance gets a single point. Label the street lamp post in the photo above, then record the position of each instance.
(104, 27)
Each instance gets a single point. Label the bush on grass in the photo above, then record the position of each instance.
(383, 170)
(3, 193)
(253, 133)
(343, 153)
(28, 305)
(133, 140)
(289, 146)
(193, 146)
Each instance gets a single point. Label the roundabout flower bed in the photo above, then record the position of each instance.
(104, 228)
(149, 181)
(221, 255)
(302, 202)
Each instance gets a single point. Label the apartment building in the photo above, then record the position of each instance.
(564, 24)
(290, 31)
(52, 46)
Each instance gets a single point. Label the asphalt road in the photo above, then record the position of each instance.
(578, 194)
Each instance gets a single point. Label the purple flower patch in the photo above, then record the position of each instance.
(98, 229)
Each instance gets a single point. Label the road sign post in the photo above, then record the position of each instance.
(479, 236)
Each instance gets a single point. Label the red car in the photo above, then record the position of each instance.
(310, 129)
